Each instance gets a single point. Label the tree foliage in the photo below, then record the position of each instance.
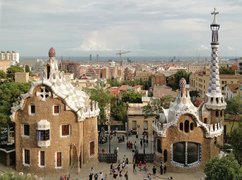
(3, 75)
(226, 70)
(132, 97)
(146, 84)
(223, 169)
(155, 106)
(119, 110)
(234, 108)
(9, 93)
(173, 81)
(236, 141)
(103, 98)
(12, 70)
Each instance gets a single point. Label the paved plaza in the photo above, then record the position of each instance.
(105, 167)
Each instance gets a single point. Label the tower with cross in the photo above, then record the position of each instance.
(214, 27)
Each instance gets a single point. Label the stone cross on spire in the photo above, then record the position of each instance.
(214, 13)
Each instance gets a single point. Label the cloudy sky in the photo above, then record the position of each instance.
(144, 27)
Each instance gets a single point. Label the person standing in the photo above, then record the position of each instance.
(134, 165)
(111, 168)
(90, 176)
(154, 170)
(140, 164)
(96, 176)
(161, 168)
(126, 175)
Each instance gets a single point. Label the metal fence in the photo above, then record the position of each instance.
(113, 127)
(144, 158)
(107, 157)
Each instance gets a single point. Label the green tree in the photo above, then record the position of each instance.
(155, 106)
(119, 110)
(103, 98)
(236, 141)
(12, 70)
(234, 108)
(226, 70)
(173, 81)
(223, 169)
(132, 97)
(3, 75)
(10, 93)
(27, 68)
(113, 82)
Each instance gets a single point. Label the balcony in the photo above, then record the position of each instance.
(43, 133)
(45, 143)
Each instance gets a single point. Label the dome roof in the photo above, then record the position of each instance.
(52, 52)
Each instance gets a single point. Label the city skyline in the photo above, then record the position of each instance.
(157, 28)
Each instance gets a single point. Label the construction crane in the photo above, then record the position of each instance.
(121, 52)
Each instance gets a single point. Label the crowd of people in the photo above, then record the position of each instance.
(119, 171)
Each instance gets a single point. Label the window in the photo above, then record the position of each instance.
(92, 148)
(42, 158)
(56, 109)
(58, 159)
(165, 155)
(221, 113)
(26, 130)
(32, 109)
(205, 120)
(186, 153)
(158, 143)
(191, 126)
(26, 157)
(65, 130)
(217, 113)
(186, 126)
(43, 135)
(181, 126)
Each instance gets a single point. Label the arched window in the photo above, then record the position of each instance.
(186, 153)
(158, 143)
(211, 100)
(217, 100)
(186, 126)
(191, 126)
(181, 126)
(217, 113)
(165, 155)
(221, 113)
(215, 140)
(205, 120)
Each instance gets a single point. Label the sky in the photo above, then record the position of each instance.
(143, 27)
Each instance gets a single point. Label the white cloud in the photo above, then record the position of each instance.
(231, 48)
(203, 48)
(160, 27)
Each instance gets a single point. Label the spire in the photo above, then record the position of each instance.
(182, 84)
(215, 99)
(52, 65)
